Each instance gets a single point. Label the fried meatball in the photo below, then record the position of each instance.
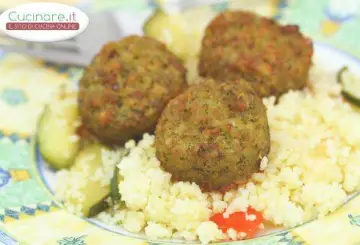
(213, 134)
(272, 57)
(126, 87)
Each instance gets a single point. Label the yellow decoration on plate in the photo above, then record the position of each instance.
(35, 82)
(8, 220)
(329, 28)
(19, 174)
(53, 227)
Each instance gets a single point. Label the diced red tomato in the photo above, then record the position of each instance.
(238, 222)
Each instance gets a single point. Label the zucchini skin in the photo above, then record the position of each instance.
(346, 92)
(350, 98)
(95, 194)
(340, 73)
(114, 185)
(53, 141)
(99, 207)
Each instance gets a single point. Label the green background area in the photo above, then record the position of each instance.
(310, 15)
(17, 155)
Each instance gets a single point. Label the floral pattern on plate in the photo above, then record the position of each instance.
(27, 211)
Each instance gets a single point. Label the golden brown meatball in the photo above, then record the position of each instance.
(213, 134)
(126, 87)
(272, 57)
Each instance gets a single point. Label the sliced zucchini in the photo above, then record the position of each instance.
(181, 32)
(115, 194)
(350, 86)
(97, 208)
(57, 139)
(93, 191)
(114, 186)
(340, 74)
(351, 98)
(171, 30)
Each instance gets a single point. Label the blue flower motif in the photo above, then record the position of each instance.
(63, 69)
(338, 18)
(72, 241)
(4, 177)
(280, 7)
(287, 238)
(151, 3)
(13, 96)
(6, 239)
(220, 7)
(354, 220)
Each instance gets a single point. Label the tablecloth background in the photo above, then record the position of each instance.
(28, 214)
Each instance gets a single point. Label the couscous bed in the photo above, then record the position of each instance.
(311, 169)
